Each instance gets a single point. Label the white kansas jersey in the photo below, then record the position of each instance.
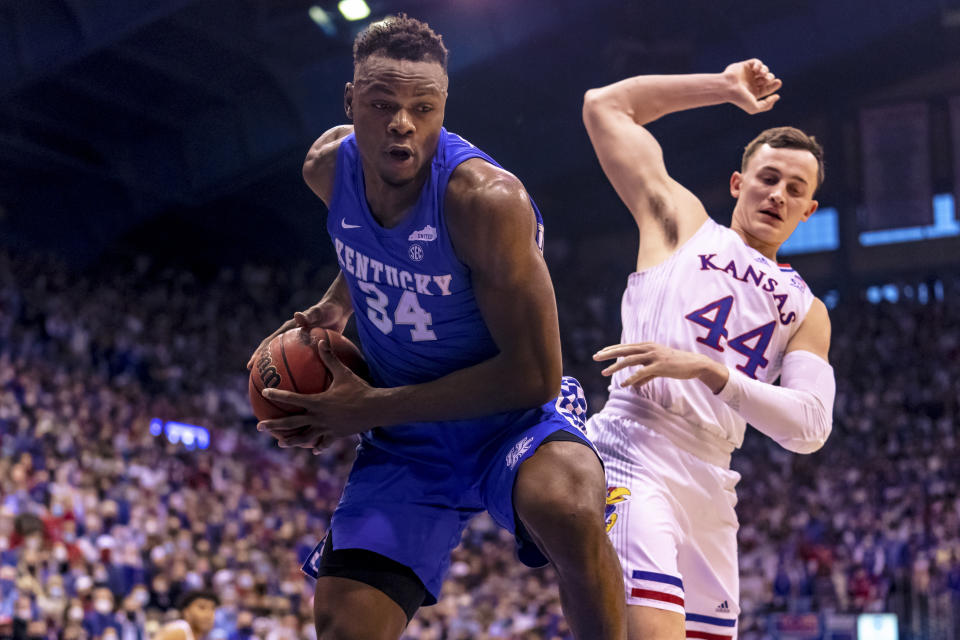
(715, 296)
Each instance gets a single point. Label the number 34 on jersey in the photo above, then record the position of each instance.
(407, 312)
(373, 276)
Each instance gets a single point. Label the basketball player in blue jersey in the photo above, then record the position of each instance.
(440, 252)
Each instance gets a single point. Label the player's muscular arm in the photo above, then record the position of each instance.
(319, 167)
(493, 230)
(632, 159)
(666, 213)
(332, 312)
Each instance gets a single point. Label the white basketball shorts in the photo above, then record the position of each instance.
(671, 518)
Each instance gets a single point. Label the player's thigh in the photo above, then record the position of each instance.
(546, 470)
(564, 474)
(642, 524)
(648, 623)
(709, 562)
(346, 609)
(562, 477)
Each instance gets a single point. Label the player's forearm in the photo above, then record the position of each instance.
(798, 415)
(339, 293)
(494, 386)
(647, 98)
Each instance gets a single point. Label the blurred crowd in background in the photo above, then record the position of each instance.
(103, 525)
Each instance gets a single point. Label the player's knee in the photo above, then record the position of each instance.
(561, 492)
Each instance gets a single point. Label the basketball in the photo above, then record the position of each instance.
(290, 361)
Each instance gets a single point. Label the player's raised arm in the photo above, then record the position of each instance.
(666, 213)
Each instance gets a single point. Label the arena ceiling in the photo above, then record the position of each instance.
(184, 122)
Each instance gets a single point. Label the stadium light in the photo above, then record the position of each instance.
(323, 20)
(354, 9)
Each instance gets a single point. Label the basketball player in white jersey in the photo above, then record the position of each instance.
(710, 321)
(198, 609)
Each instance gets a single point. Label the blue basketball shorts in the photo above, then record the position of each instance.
(415, 514)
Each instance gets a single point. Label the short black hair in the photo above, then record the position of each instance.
(402, 38)
(197, 594)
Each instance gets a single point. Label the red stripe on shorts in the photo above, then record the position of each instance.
(657, 595)
(703, 635)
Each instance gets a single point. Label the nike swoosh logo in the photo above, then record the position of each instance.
(345, 225)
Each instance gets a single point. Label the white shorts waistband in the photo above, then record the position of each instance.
(681, 433)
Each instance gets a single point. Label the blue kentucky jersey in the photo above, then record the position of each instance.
(413, 300)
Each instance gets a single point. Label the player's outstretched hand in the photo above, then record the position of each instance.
(654, 361)
(342, 410)
(754, 87)
(325, 314)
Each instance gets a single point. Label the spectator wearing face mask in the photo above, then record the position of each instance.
(74, 614)
(53, 601)
(97, 621)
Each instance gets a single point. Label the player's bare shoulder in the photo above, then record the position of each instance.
(483, 203)
(476, 182)
(319, 167)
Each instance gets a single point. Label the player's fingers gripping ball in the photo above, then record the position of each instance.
(291, 362)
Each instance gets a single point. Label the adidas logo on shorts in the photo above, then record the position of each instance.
(723, 608)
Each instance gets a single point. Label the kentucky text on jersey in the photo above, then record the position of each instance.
(368, 269)
(750, 276)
